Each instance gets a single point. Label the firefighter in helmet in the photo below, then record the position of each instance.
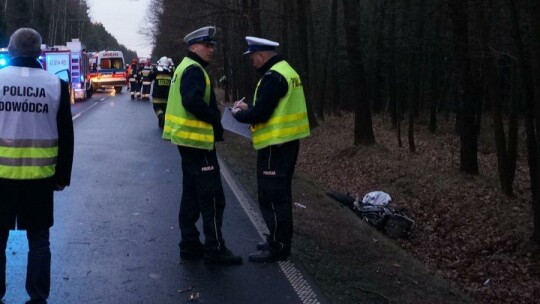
(132, 77)
(145, 80)
(161, 76)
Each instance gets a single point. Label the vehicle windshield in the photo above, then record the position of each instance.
(112, 63)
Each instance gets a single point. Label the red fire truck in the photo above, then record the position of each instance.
(70, 63)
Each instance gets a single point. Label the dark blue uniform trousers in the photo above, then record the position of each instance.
(202, 195)
(38, 271)
(275, 169)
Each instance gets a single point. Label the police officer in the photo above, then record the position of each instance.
(132, 76)
(193, 123)
(146, 82)
(36, 154)
(161, 81)
(279, 120)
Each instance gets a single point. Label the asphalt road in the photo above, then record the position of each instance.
(116, 233)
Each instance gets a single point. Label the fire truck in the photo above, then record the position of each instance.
(70, 63)
(107, 70)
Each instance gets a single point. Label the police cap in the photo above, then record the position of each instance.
(203, 35)
(256, 44)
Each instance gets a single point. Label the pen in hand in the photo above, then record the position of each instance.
(238, 102)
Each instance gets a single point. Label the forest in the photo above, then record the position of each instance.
(471, 64)
(58, 21)
(416, 60)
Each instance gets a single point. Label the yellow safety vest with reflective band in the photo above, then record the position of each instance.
(162, 80)
(289, 120)
(29, 102)
(181, 127)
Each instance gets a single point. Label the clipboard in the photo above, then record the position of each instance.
(230, 123)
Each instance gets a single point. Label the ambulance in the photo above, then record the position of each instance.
(107, 70)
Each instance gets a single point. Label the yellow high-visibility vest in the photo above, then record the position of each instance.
(181, 127)
(289, 120)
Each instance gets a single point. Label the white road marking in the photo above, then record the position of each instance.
(295, 277)
(80, 113)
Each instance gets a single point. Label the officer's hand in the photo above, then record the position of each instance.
(235, 110)
(240, 104)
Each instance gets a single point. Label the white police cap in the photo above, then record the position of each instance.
(205, 35)
(256, 44)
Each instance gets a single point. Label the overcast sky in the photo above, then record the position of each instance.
(122, 19)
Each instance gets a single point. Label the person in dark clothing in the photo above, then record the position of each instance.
(279, 119)
(133, 79)
(36, 155)
(193, 123)
(138, 80)
(146, 83)
(161, 81)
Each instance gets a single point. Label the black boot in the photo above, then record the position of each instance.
(267, 256)
(161, 120)
(191, 250)
(262, 246)
(222, 257)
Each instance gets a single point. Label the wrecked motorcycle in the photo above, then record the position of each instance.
(393, 222)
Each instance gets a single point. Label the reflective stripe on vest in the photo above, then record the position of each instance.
(27, 159)
(289, 120)
(181, 127)
(161, 85)
(29, 101)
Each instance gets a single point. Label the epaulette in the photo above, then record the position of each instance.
(274, 74)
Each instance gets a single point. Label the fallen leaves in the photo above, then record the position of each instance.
(465, 227)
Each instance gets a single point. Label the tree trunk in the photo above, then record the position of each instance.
(506, 153)
(392, 77)
(363, 126)
(436, 92)
(468, 128)
(256, 17)
(304, 15)
(535, 53)
(328, 63)
(378, 84)
(334, 99)
(285, 27)
(224, 47)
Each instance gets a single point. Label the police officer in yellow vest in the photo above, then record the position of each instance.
(36, 154)
(193, 123)
(279, 119)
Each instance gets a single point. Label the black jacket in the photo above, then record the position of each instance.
(29, 203)
(160, 91)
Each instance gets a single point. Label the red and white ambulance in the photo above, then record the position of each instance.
(107, 70)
